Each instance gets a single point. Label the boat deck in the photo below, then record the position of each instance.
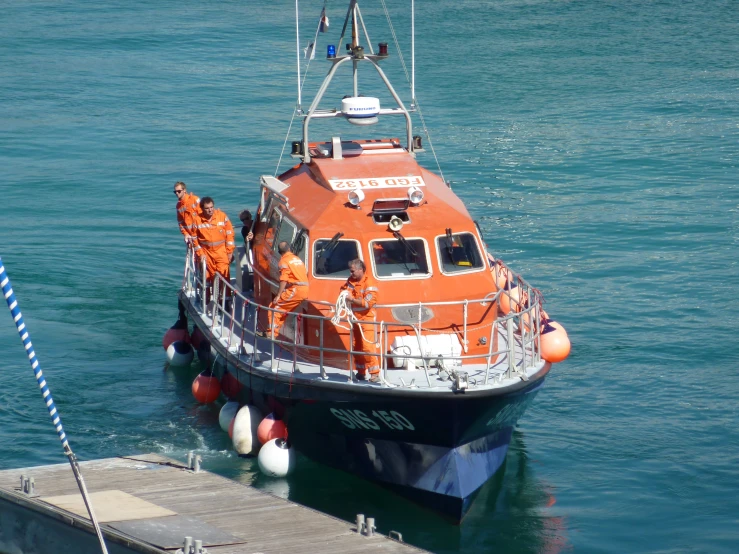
(236, 334)
(149, 503)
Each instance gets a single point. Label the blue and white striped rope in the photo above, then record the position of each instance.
(15, 311)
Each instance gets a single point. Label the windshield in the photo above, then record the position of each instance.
(332, 256)
(459, 252)
(400, 258)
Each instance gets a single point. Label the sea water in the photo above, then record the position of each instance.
(595, 142)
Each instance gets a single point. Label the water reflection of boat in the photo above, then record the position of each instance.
(458, 335)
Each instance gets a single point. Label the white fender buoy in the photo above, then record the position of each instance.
(245, 428)
(179, 353)
(227, 413)
(277, 458)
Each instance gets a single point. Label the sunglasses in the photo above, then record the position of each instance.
(178, 191)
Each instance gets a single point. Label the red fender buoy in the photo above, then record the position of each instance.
(178, 331)
(271, 428)
(555, 344)
(230, 386)
(206, 388)
(196, 338)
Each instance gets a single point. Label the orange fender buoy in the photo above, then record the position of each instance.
(558, 326)
(206, 388)
(178, 331)
(525, 325)
(509, 298)
(555, 344)
(271, 428)
(501, 274)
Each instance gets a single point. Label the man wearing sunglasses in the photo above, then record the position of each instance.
(187, 205)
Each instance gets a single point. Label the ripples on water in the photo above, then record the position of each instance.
(596, 143)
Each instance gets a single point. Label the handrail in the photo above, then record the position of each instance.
(526, 321)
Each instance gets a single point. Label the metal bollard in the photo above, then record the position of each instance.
(360, 523)
(187, 545)
(198, 460)
(198, 547)
(189, 459)
(370, 526)
(32, 486)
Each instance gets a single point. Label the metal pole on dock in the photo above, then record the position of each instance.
(15, 312)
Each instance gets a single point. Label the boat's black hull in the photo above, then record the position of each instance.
(436, 449)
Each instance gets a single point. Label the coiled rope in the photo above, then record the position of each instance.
(344, 311)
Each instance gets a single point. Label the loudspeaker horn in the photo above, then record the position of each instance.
(396, 224)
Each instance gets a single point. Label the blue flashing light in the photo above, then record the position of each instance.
(331, 51)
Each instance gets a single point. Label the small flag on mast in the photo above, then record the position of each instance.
(323, 24)
(310, 51)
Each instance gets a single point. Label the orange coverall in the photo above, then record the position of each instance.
(214, 239)
(187, 206)
(365, 290)
(292, 272)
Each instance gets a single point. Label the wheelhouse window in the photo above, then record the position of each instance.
(300, 245)
(331, 257)
(459, 252)
(272, 228)
(286, 233)
(399, 257)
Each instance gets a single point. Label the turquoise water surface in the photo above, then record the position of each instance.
(596, 142)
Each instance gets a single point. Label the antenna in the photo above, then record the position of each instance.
(413, 54)
(297, 53)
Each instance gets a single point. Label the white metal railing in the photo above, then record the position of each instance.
(521, 327)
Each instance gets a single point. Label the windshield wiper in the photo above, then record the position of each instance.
(450, 242)
(405, 243)
(327, 252)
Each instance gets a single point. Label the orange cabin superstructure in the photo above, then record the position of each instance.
(428, 251)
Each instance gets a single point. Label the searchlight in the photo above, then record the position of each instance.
(355, 197)
(415, 195)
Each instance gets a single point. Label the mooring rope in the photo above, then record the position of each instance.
(15, 312)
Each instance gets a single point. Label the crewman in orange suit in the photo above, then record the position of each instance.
(363, 294)
(187, 205)
(213, 237)
(293, 288)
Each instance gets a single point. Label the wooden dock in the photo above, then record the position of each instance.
(149, 503)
